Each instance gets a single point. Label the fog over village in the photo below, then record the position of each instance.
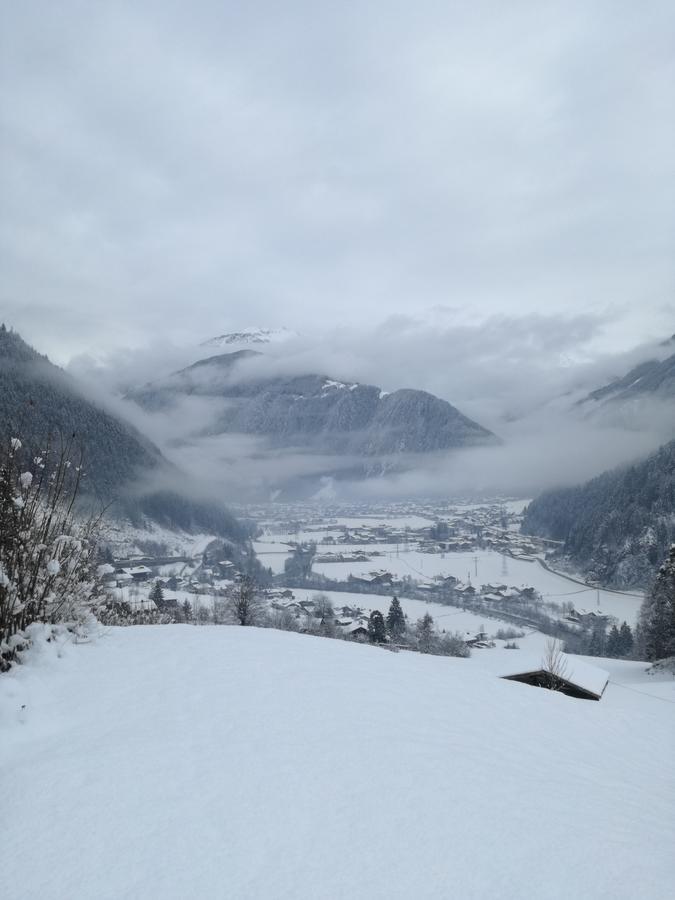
(337, 465)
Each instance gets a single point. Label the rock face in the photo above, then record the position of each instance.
(618, 527)
(319, 413)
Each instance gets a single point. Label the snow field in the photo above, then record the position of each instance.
(182, 762)
(490, 566)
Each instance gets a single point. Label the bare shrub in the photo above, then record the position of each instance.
(555, 664)
(47, 555)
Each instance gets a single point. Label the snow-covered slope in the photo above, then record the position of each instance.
(248, 336)
(182, 762)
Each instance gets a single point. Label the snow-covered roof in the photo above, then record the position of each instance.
(581, 674)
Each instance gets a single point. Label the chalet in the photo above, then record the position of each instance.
(479, 640)
(373, 578)
(357, 631)
(280, 594)
(137, 573)
(574, 678)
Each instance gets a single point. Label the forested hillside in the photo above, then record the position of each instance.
(37, 399)
(618, 527)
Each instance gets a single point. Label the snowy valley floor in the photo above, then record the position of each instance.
(216, 762)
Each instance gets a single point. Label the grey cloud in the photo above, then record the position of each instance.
(172, 171)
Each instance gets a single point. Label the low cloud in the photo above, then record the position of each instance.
(519, 376)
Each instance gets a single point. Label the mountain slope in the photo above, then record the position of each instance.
(618, 527)
(318, 412)
(38, 399)
(652, 378)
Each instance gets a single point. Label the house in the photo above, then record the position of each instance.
(357, 631)
(479, 640)
(574, 677)
(137, 573)
(373, 578)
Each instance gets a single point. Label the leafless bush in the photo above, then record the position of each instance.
(555, 664)
(47, 556)
(246, 605)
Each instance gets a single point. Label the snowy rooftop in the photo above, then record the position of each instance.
(582, 674)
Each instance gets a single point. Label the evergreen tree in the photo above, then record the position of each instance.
(299, 565)
(596, 644)
(625, 640)
(395, 620)
(657, 616)
(187, 611)
(157, 595)
(614, 642)
(376, 630)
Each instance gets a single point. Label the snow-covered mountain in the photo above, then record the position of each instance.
(250, 337)
(38, 399)
(317, 412)
(625, 396)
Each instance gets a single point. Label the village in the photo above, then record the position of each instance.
(405, 550)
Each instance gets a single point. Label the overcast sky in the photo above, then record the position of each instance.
(170, 171)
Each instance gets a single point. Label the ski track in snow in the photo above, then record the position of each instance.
(186, 762)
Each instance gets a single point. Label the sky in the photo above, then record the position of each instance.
(171, 171)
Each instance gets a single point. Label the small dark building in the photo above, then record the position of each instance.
(577, 679)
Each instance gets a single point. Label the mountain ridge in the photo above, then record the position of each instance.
(319, 411)
(122, 466)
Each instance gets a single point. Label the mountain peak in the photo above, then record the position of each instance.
(249, 336)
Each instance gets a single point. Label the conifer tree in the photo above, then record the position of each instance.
(395, 620)
(157, 595)
(614, 642)
(376, 629)
(657, 616)
(625, 640)
(596, 644)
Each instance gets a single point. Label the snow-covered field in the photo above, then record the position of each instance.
(486, 566)
(446, 618)
(183, 762)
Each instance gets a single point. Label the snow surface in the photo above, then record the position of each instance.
(186, 762)
(488, 567)
(446, 618)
